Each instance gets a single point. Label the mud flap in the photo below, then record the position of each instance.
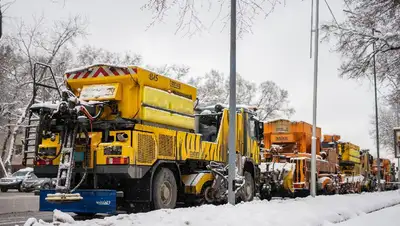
(93, 201)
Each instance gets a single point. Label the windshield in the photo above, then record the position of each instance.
(20, 173)
(33, 176)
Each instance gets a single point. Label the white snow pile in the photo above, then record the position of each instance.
(276, 166)
(319, 211)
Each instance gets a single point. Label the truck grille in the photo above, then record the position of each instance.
(166, 146)
(146, 151)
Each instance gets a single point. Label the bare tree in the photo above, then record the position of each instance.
(32, 44)
(368, 22)
(89, 55)
(271, 100)
(387, 121)
(211, 88)
(174, 71)
(190, 20)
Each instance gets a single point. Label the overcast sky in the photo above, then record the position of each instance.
(278, 50)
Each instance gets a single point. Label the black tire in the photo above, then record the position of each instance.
(4, 189)
(266, 195)
(248, 189)
(20, 189)
(165, 189)
(207, 193)
(46, 186)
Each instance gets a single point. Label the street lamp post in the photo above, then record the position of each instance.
(232, 107)
(314, 136)
(378, 161)
(397, 124)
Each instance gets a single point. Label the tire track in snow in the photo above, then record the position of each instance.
(346, 218)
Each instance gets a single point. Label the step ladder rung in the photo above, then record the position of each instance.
(31, 126)
(66, 150)
(29, 152)
(30, 157)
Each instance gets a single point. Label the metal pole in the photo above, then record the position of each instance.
(378, 161)
(232, 107)
(1, 22)
(398, 124)
(314, 129)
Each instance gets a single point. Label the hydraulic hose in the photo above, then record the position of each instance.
(86, 163)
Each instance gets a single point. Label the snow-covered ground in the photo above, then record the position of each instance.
(319, 211)
(386, 217)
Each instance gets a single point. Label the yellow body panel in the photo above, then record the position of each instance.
(166, 100)
(157, 81)
(127, 149)
(48, 143)
(164, 117)
(194, 183)
(95, 141)
(349, 152)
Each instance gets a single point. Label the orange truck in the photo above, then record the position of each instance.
(290, 142)
(387, 173)
(349, 161)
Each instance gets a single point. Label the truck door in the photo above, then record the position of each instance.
(252, 137)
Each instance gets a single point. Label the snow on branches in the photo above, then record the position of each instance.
(270, 100)
(368, 22)
(192, 18)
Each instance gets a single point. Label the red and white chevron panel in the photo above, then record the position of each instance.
(100, 71)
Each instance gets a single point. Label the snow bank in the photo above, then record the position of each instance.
(319, 211)
(59, 216)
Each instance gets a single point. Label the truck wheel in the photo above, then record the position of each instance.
(265, 195)
(165, 190)
(4, 189)
(248, 188)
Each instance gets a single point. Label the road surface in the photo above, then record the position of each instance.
(16, 207)
(14, 201)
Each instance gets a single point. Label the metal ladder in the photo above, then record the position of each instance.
(66, 166)
(32, 138)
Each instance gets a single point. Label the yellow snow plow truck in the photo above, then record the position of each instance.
(123, 137)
